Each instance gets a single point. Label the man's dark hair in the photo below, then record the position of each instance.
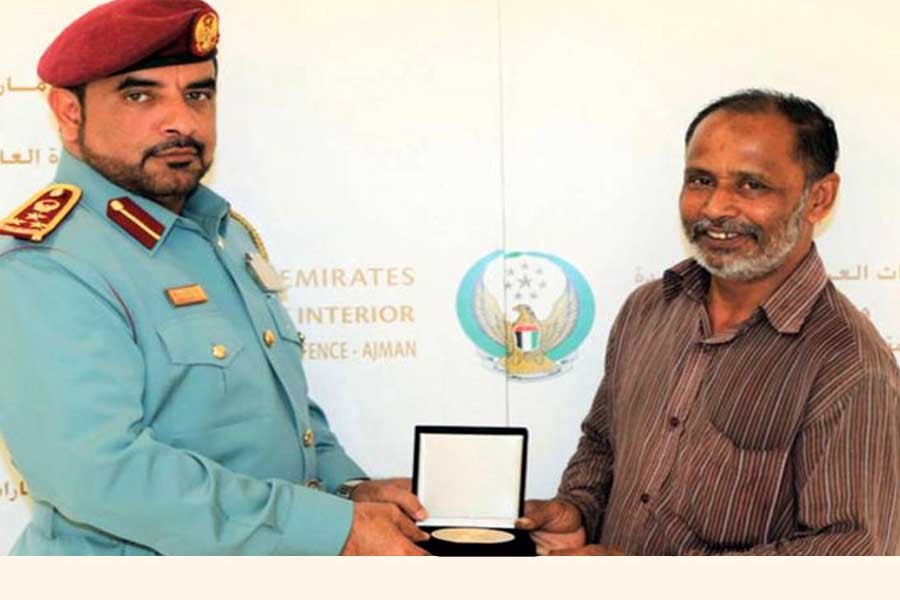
(816, 144)
(78, 90)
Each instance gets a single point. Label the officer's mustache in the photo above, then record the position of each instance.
(698, 228)
(179, 142)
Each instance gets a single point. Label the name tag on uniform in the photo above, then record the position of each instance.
(264, 274)
(187, 295)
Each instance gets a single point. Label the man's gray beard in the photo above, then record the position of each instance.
(135, 179)
(766, 262)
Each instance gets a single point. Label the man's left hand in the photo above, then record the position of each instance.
(589, 550)
(397, 490)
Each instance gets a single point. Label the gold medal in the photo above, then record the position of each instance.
(465, 535)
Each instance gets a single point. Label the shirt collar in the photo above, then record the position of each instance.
(687, 276)
(786, 308)
(789, 305)
(204, 207)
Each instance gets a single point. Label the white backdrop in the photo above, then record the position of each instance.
(389, 145)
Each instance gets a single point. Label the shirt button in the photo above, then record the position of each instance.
(309, 438)
(220, 351)
(314, 484)
(220, 243)
(269, 337)
(645, 498)
(674, 422)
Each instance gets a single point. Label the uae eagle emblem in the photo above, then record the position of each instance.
(527, 339)
(552, 309)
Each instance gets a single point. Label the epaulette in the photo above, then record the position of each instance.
(251, 231)
(37, 218)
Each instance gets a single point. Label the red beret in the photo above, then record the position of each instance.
(126, 35)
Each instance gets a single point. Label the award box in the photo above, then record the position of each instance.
(472, 478)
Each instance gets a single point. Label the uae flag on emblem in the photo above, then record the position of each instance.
(528, 337)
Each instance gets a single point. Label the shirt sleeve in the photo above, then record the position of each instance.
(847, 476)
(71, 413)
(587, 479)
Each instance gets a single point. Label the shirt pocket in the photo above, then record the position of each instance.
(200, 340)
(731, 492)
(203, 351)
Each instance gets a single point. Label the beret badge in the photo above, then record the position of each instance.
(205, 34)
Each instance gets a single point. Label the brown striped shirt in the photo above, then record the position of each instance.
(782, 437)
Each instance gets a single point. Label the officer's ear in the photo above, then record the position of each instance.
(67, 108)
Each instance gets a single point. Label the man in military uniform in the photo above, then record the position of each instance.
(153, 394)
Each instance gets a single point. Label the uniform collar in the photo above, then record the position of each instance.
(206, 209)
(786, 308)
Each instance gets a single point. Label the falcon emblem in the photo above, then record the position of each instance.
(551, 312)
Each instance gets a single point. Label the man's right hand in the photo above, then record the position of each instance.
(382, 529)
(554, 525)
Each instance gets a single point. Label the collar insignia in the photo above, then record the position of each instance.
(136, 221)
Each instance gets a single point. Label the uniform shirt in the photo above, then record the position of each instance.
(780, 437)
(133, 434)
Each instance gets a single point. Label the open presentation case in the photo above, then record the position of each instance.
(472, 482)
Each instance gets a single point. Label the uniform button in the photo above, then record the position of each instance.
(220, 351)
(309, 438)
(220, 243)
(269, 337)
(645, 498)
(314, 484)
(674, 422)
(301, 338)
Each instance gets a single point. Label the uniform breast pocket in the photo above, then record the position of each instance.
(730, 491)
(204, 352)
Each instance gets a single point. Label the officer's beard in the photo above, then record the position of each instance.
(168, 183)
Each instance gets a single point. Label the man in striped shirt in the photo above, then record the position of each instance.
(746, 405)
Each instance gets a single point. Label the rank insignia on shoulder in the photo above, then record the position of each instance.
(136, 221)
(37, 218)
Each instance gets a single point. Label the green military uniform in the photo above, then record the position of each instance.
(147, 422)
